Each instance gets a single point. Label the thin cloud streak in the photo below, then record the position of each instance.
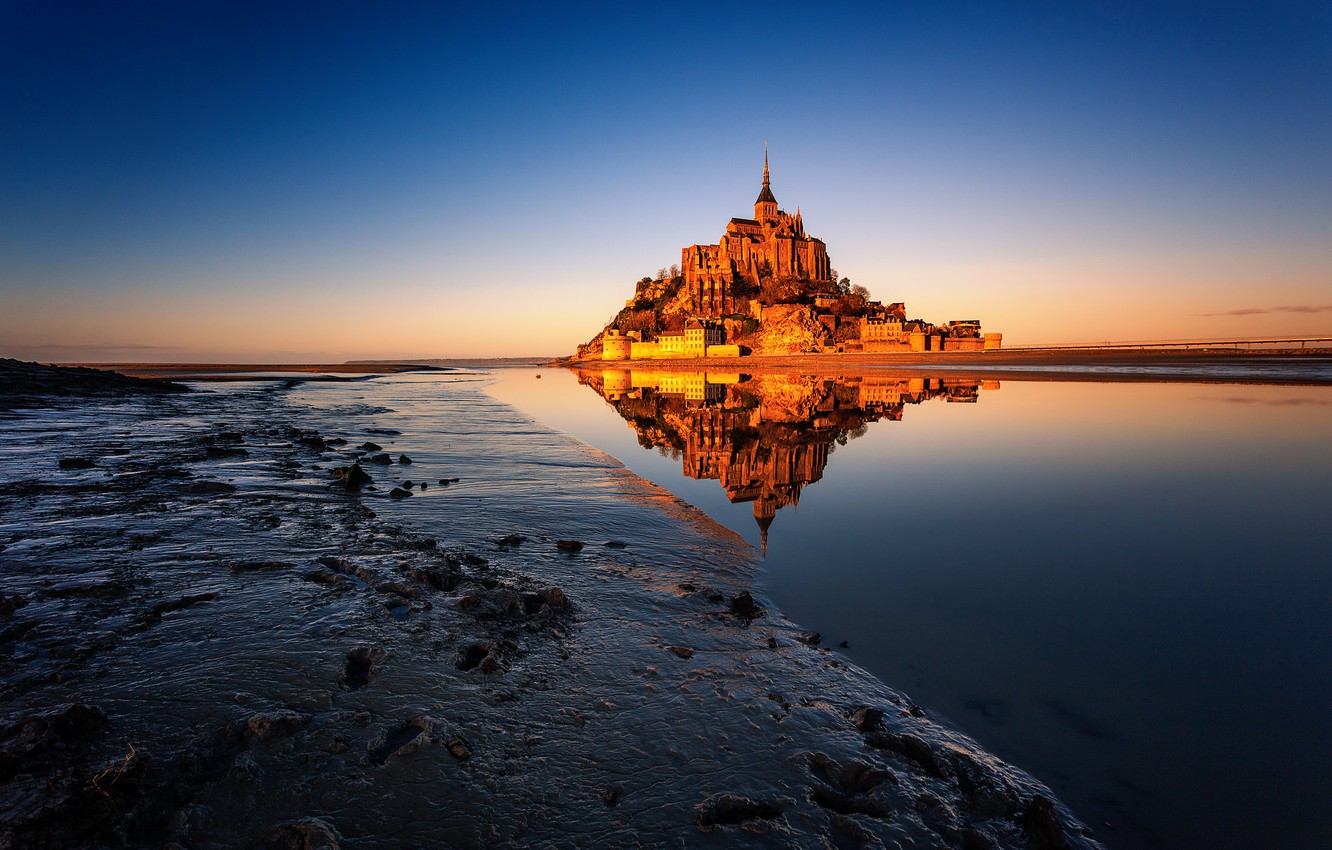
(1258, 311)
(1270, 402)
(93, 347)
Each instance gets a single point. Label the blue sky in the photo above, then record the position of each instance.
(201, 181)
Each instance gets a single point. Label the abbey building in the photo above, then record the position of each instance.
(766, 288)
(771, 244)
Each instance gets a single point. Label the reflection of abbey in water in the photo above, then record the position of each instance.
(763, 437)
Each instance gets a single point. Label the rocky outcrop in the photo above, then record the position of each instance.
(789, 329)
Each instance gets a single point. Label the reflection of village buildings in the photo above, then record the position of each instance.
(763, 439)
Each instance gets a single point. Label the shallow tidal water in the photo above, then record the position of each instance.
(210, 641)
(1122, 588)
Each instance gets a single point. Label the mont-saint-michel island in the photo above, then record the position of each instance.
(966, 491)
(767, 287)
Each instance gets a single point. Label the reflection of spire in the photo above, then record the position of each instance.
(763, 440)
(764, 523)
(765, 510)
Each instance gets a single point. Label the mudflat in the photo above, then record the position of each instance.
(218, 635)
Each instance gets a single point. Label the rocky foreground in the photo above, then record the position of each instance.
(26, 384)
(220, 628)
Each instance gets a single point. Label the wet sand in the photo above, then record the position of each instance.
(252, 371)
(209, 641)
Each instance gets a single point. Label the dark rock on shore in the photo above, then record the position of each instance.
(361, 668)
(484, 656)
(263, 726)
(399, 493)
(77, 463)
(404, 740)
(913, 748)
(207, 488)
(733, 809)
(1041, 823)
(352, 477)
(33, 743)
(436, 577)
(458, 748)
(404, 459)
(867, 719)
(743, 606)
(238, 567)
(500, 602)
(311, 834)
(154, 614)
(11, 602)
(569, 545)
(849, 789)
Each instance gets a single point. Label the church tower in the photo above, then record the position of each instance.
(765, 208)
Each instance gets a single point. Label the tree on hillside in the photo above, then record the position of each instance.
(847, 331)
(644, 321)
(786, 289)
(743, 287)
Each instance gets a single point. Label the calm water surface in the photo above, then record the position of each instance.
(1123, 588)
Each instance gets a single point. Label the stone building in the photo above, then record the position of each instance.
(616, 346)
(699, 335)
(772, 243)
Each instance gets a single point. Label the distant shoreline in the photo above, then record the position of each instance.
(256, 371)
(291, 371)
(1014, 364)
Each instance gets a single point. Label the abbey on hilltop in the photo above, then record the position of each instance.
(771, 244)
(766, 287)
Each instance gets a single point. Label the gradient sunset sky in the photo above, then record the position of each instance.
(196, 181)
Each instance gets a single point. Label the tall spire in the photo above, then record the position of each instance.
(765, 194)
